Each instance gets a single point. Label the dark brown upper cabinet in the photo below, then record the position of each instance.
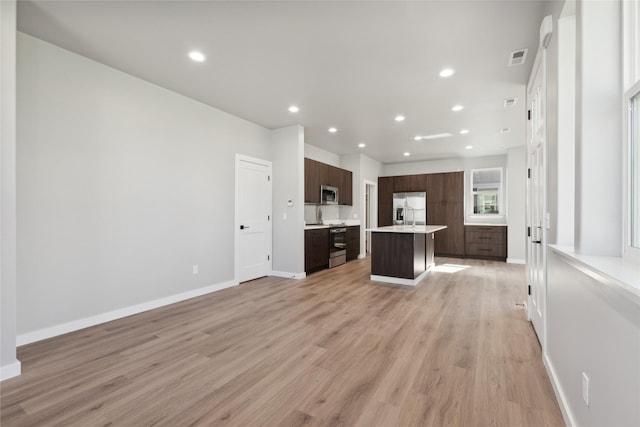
(318, 173)
(409, 183)
(385, 200)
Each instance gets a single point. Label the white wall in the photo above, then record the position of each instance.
(122, 187)
(320, 155)
(594, 329)
(516, 204)
(287, 145)
(592, 325)
(9, 365)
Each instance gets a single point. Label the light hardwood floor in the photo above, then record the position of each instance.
(332, 349)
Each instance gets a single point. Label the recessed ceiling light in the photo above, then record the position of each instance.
(362, 145)
(447, 72)
(417, 137)
(469, 147)
(505, 130)
(457, 108)
(293, 109)
(197, 56)
(436, 136)
(464, 131)
(407, 154)
(333, 130)
(400, 118)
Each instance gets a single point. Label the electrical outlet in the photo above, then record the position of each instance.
(195, 269)
(585, 388)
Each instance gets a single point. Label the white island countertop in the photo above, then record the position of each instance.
(415, 229)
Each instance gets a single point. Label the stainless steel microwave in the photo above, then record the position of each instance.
(328, 195)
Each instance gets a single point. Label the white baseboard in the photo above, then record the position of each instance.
(515, 261)
(361, 256)
(288, 275)
(11, 370)
(557, 388)
(398, 280)
(75, 325)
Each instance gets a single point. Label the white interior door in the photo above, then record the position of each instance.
(253, 228)
(536, 197)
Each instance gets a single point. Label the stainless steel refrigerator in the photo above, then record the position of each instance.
(410, 208)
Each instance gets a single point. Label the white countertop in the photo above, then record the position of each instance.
(417, 229)
(329, 224)
(485, 224)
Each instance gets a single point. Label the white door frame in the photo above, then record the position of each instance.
(541, 61)
(373, 208)
(236, 214)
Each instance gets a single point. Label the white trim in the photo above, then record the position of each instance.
(11, 370)
(236, 218)
(399, 281)
(498, 217)
(569, 419)
(288, 275)
(629, 252)
(52, 331)
(515, 261)
(363, 214)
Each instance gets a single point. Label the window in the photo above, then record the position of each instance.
(486, 191)
(634, 167)
(631, 37)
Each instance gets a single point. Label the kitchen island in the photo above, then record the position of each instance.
(402, 254)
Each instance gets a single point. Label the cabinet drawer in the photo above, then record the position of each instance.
(483, 237)
(481, 249)
(485, 241)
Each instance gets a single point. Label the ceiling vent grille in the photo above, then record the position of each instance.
(510, 102)
(518, 57)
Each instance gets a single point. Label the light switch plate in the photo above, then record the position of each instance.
(290, 202)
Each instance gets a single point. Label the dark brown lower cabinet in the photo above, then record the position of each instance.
(450, 241)
(401, 255)
(353, 242)
(486, 242)
(316, 249)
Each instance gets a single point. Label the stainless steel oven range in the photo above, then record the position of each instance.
(337, 246)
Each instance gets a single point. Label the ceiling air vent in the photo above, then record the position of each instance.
(510, 102)
(518, 57)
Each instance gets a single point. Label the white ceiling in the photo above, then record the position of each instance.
(352, 65)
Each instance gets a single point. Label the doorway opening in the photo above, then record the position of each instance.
(370, 204)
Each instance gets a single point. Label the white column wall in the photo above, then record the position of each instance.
(9, 365)
(598, 221)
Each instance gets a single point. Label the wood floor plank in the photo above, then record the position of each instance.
(331, 349)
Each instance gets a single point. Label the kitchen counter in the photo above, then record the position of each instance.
(420, 229)
(402, 254)
(333, 223)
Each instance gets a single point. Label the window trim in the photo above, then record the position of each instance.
(631, 77)
(501, 202)
(628, 252)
